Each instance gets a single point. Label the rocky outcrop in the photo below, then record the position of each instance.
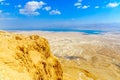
(27, 58)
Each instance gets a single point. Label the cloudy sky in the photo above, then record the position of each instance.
(25, 14)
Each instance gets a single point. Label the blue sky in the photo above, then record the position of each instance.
(25, 14)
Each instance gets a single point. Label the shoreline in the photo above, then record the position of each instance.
(93, 32)
(61, 31)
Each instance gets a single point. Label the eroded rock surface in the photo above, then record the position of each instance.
(27, 58)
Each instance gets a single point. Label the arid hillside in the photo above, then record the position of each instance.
(85, 57)
(27, 58)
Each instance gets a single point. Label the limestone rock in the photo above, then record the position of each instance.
(27, 58)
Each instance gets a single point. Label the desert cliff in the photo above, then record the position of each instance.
(27, 58)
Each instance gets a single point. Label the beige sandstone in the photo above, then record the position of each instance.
(27, 58)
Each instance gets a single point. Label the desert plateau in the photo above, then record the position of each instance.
(85, 56)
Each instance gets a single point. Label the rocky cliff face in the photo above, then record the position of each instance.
(27, 58)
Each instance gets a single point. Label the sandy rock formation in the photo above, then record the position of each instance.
(27, 58)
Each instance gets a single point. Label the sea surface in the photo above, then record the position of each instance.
(85, 31)
(85, 28)
(64, 30)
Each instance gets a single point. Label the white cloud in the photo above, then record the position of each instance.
(31, 8)
(77, 4)
(97, 7)
(2, 0)
(112, 5)
(85, 6)
(25, 12)
(55, 12)
(47, 8)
